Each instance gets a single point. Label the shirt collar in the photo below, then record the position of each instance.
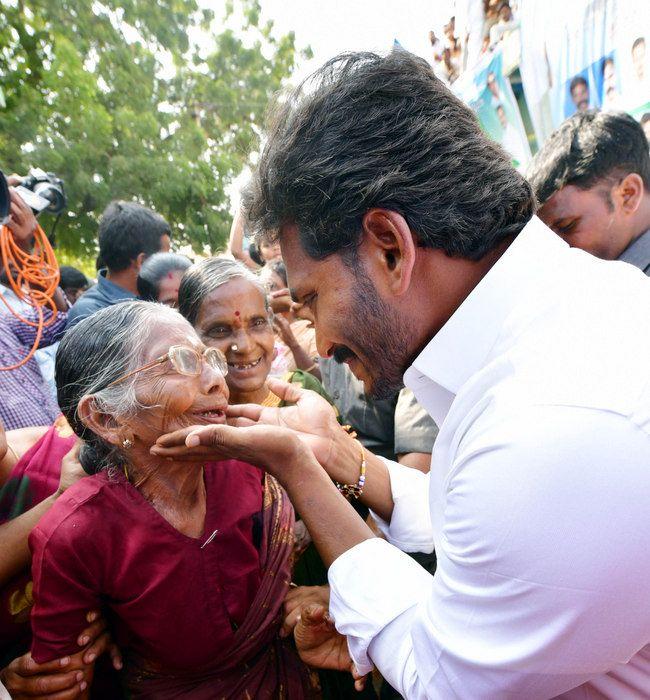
(462, 345)
(638, 252)
(111, 290)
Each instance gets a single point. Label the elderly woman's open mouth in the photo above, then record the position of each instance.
(215, 414)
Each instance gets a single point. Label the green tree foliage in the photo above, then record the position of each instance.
(119, 99)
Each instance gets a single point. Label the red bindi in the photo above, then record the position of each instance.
(237, 313)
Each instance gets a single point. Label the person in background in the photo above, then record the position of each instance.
(505, 24)
(128, 234)
(26, 398)
(610, 96)
(73, 282)
(254, 254)
(579, 89)
(639, 61)
(295, 337)
(160, 277)
(592, 182)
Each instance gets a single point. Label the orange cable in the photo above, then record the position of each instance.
(34, 278)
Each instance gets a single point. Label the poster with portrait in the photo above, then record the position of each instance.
(489, 94)
(602, 61)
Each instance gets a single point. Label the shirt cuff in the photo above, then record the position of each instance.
(410, 526)
(371, 585)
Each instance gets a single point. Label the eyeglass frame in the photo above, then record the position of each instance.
(167, 357)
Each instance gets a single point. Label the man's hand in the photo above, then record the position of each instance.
(275, 449)
(280, 301)
(22, 222)
(321, 646)
(71, 469)
(66, 678)
(283, 328)
(298, 598)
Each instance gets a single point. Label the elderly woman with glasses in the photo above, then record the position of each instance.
(189, 561)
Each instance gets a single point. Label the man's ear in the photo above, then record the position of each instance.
(137, 263)
(102, 424)
(628, 194)
(389, 248)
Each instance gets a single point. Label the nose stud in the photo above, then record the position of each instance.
(234, 347)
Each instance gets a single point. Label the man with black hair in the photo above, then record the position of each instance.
(413, 241)
(579, 89)
(128, 234)
(592, 182)
(73, 282)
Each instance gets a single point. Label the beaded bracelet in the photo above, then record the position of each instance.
(355, 490)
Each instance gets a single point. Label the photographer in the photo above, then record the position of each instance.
(26, 399)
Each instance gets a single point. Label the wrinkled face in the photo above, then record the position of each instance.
(353, 324)
(168, 288)
(638, 60)
(235, 319)
(270, 251)
(580, 96)
(585, 220)
(173, 400)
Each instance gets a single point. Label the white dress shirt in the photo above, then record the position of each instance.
(538, 499)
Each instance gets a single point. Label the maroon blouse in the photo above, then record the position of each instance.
(173, 601)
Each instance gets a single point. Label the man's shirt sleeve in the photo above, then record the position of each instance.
(542, 565)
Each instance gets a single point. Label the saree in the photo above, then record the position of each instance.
(34, 477)
(259, 664)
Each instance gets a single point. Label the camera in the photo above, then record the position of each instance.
(43, 191)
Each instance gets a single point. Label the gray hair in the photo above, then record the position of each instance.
(96, 352)
(205, 277)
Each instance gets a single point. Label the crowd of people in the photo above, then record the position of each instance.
(216, 484)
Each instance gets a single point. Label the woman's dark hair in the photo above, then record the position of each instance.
(254, 252)
(370, 131)
(280, 270)
(154, 268)
(127, 229)
(587, 148)
(206, 276)
(71, 278)
(94, 353)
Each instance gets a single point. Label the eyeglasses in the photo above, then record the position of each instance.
(186, 361)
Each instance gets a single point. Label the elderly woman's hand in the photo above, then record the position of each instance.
(71, 469)
(321, 646)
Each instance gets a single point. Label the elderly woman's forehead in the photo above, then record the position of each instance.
(166, 331)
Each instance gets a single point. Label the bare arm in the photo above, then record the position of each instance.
(236, 242)
(416, 460)
(14, 550)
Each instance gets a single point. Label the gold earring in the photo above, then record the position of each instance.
(127, 444)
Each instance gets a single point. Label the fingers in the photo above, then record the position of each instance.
(116, 656)
(241, 422)
(313, 615)
(26, 666)
(290, 621)
(174, 439)
(97, 647)
(92, 632)
(290, 393)
(280, 293)
(245, 410)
